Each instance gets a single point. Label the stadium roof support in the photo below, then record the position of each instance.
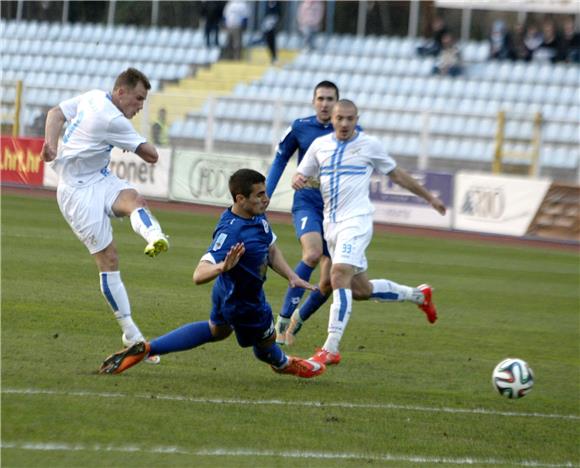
(111, 13)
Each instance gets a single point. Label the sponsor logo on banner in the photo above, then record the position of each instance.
(151, 180)
(21, 162)
(209, 177)
(395, 204)
(204, 178)
(497, 204)
(483, 202)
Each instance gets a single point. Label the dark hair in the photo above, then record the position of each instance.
(131, 78)
(327, 84)
(242, 180)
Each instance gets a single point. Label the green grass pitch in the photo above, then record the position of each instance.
(406, 392)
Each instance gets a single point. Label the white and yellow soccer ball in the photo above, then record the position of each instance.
(513, 378)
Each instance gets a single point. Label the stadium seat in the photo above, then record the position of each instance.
(571, 75)
(563, 94)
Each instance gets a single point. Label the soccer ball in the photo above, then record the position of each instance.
(512, 378)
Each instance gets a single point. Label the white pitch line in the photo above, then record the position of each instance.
(241, 452)
(315, 404)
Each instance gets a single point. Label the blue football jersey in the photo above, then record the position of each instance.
(242, 286)
(299, 136)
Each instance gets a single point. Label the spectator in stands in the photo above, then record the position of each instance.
(269, 29)
(449, 62)
(212, 12)
(500, 42)
(570, 42)
(236, 14)
(433, 46)
(520, 49)
(310, 15)
(551, 47)
(159, 130)
(532, 39)
(89, 195)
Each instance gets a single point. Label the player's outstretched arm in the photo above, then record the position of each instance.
(207, 271)
(279, 265)
(55, 120)
(404, 179)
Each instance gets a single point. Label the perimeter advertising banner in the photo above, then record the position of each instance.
(394, 204)
(151, 180)
(497, 204)
(199, 177)
(20, 160)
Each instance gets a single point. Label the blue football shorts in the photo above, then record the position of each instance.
(250, 324)
(306, 221)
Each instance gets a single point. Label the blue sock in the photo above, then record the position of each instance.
(312, 303)
(293, 295)
(186, 337)
(272, 355)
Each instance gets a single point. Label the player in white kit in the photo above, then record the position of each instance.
(343, 161)
(88, 194)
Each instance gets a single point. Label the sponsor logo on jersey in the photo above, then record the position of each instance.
(219, 242)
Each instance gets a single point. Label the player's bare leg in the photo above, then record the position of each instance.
(131, 203)
(115, 294)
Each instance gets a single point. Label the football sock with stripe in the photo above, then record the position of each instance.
(313, 302)
(272, 355)
(340, 311)
(145, 224)
(389, 291)
(183, 338)
(293, 295)
(116, 296)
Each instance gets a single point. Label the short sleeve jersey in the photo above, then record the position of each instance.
(96, 125)
(242, 286)
(345, 169)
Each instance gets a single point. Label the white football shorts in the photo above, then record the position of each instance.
(348, 240)
(88, 210)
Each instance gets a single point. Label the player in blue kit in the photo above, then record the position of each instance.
(307, 212)
(242, 249)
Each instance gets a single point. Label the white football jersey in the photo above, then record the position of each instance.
(344, 169)
(95, 126)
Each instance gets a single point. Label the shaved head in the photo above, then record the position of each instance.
(344, 119)
(345, 104)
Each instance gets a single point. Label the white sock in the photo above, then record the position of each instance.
(145, 224)
(115, 293)
(389, 291)
(340, 311)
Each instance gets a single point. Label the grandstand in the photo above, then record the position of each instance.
(451, 122)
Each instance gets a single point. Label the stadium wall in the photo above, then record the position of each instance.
(476, 202)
